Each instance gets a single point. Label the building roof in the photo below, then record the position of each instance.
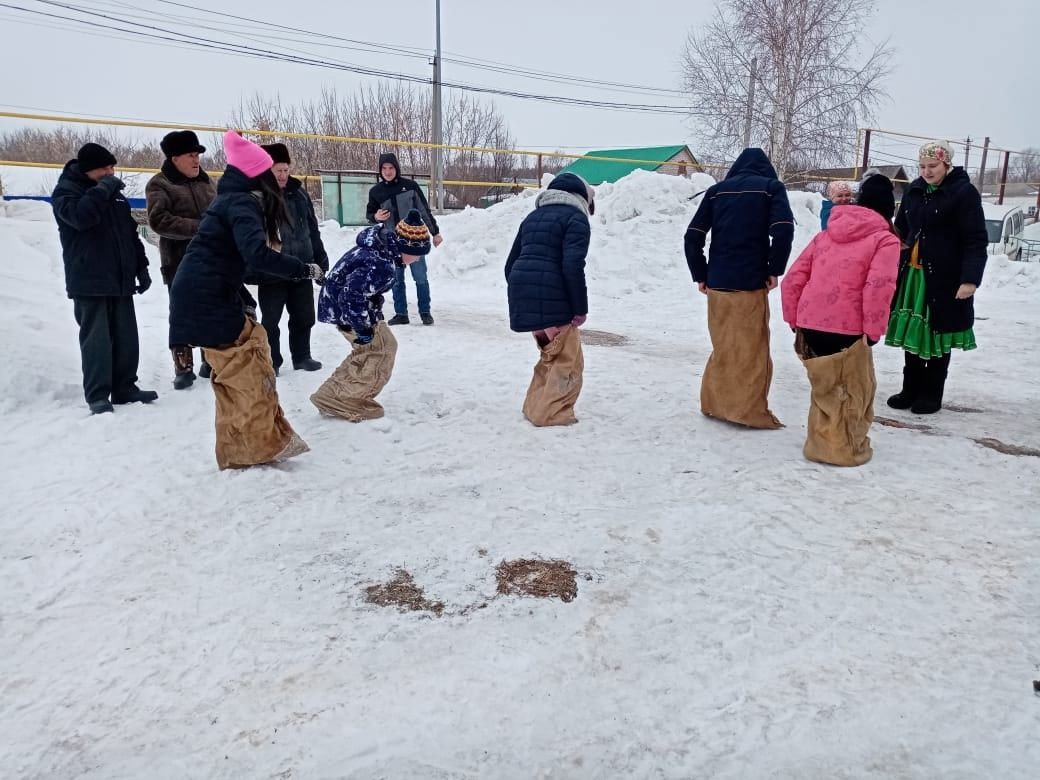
(599, 171)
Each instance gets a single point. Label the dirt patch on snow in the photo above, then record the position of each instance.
(890, 423)
(403, 593)
(602, 338)
(541, 579)
(962, 409)
(1008, 449)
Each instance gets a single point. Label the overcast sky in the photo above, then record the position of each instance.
(961, 67)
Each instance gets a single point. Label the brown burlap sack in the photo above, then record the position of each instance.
(841, 407)
(351, 390)
(251, 428)
(557, 380)
(735, 385)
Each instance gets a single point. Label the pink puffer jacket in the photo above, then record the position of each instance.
(844, 280)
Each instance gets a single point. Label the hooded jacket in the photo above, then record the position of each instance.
(398, 196)
(545, 270)
(205, 297)
(365, 272)
(175, 208)
(951, 228)
(751, 227)
(102, 252)
(844, 280)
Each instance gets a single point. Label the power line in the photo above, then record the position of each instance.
(242, 50)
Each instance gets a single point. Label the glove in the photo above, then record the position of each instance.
(363, 338)
(377, 301)
(313, 271)
(579, 320)
(144, 281)
(111, 185)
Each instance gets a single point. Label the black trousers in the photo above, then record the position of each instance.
(108, 345)
(821, 343)
(298, 299)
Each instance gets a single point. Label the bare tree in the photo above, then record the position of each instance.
(1025, 167)
(816, 79)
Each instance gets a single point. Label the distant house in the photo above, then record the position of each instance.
(654, 158)
(818, 178)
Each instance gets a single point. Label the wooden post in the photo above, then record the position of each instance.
(866, 148)
(981, 186)
(539, 170)
(1003, 178)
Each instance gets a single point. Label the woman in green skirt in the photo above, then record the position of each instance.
(942, 228)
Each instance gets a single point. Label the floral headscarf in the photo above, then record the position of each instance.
(938, 150)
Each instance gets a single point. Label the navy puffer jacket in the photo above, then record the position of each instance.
(751, 224)
(206, 295)
(545, 271)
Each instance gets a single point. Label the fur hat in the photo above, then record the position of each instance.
(279, 153)
(413, 237)
(877, 193)
(93, 156)
(181, 142)
(937, 150)
(243, 154)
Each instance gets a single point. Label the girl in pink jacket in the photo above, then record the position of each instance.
(837, 297)
(840, 288)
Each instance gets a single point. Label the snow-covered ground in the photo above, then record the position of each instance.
(741, 613)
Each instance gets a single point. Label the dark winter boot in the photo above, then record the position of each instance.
(427, 318)
(929, 400)
(913, 371)
(135, 395)
(100, 407)
(205, 370)
(184, 368)
(398, 319)
(307, 364)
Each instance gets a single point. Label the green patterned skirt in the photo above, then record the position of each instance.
(909, 326)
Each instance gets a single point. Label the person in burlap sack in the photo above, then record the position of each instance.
(352, 299)
(545, 274)
(836, 298)
(752, 229)
(210, 307)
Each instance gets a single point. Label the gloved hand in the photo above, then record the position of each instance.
(363, 338)
(314, 272)
(579, 320)
(111, 185)
(144, 281)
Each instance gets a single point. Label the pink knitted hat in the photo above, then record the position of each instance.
(245, 155)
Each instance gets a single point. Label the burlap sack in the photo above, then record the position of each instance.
(735, 385)
(251, 428)
(351, 390)
(841, 407)
(557, 380)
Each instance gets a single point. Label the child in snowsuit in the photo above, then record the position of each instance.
(352, 300)
(545, 274)
(210, 307)
(836, 297)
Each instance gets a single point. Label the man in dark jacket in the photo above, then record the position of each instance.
(391, 199)
(177, 196)
(752, 229)
(301, 239)
(105, 264)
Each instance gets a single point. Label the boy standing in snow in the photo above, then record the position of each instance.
(837, 297)
(752, 229)
(389, 202)
(352, 300)
(105, 265)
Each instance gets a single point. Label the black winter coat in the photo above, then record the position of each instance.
(951, 228)
(102, 251)
(399, 197)
(751, 224)
(301, 238)
(206, 295)
(545, 271)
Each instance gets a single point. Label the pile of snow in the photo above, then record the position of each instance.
(740, 612)
(24, 180)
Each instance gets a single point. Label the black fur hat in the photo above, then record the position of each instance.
(181, 142)
(279, 153)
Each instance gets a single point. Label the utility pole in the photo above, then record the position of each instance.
(982, 168)
(750, 102)
(967, 151)
(437, 157)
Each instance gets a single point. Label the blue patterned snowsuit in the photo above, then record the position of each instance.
(352, 294)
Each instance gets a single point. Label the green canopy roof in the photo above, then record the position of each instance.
(599, 171)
